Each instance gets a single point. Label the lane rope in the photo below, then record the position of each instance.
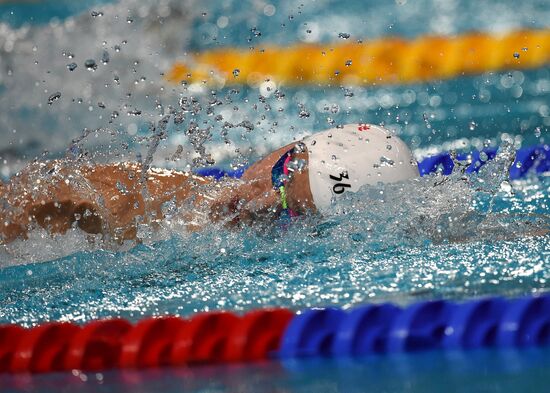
(276, 334)
(389, 60)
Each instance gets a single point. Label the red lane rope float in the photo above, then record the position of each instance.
(153, 342)
(9, 337)
(204, 339)
(149, 342)
(42, 349)
(257, 336)
(97, 345)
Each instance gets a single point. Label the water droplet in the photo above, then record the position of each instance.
(537, 132)
(134, 112)
(269, 10)
(297, 165)
(236, 72)
(247, 125)
(472, 125)
(256, 32)
(344, 36)
(384, 161)
(95, 14)
(72, 66)
(427, 121)
(303, 114)
(121, 187)
(348, 93)
(516, 55)
(117, 48)
(90, 64)
(505, 186)
(54, 97)
(129, 20)
(105, 57)
(348, 63)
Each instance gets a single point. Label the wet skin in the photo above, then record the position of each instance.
(112, 199)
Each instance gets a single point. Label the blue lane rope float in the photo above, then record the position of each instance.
(532, 158)
(431, 325)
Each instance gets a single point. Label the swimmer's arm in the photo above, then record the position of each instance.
(130, 199)
(107, 200)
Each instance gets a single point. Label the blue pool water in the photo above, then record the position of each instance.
(486, 371)
(462, 238)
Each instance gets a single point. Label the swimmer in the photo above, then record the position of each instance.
(114, 199)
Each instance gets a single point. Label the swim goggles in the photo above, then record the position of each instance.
(279, 177)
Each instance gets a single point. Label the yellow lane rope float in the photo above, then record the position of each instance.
(386, 60)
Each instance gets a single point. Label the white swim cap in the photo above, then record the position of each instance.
(344, 159)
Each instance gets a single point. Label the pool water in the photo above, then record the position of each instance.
(483, 371)
(453, 237)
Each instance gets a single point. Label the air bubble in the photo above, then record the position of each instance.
(344, 36)
(72, 66)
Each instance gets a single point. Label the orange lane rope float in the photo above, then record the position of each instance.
(389, 60)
